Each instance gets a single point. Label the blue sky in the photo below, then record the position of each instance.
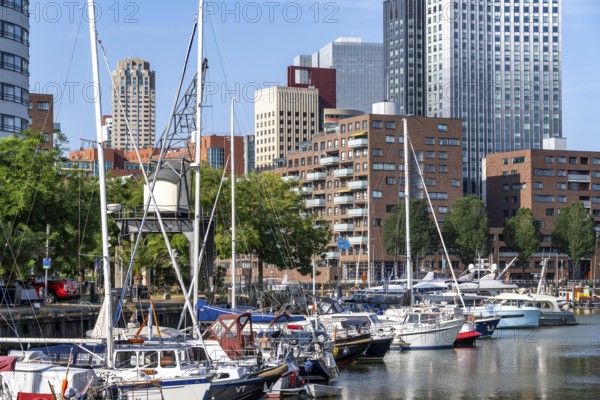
(249, 45)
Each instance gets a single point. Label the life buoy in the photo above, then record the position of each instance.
(335, 352)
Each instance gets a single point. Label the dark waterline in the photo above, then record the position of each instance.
(546, 363)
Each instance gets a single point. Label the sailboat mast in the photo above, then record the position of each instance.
(233, 238)
(102, 179)
(199, 90)
(409, 272)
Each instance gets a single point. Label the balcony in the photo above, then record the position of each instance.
(332, 255)
(315, 203)
(354, 143)
(355, 185)
(358, 240)
(326, 161)
(306, 190)
(358, 212)
(291, 178)
(315, 176)
(343, 173)
(343, 200)
(343, 227)
(579, 177)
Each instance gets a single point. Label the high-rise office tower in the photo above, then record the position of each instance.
(495, 65)
(14, 67)
(404, 49)
(359, 71)
(133, 105)
(284, 117)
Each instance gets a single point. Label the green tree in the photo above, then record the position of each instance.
(522, 235)
(35, 192)
(423, 233)
(467, 228)
(272, 223)
(19, 247)
(573, 233)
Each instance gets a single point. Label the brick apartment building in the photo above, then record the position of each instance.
(543, 181)
(351, 177)
(41, 117)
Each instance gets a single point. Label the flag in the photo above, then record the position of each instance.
(343, 244)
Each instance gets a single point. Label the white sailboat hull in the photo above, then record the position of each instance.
(427, 336)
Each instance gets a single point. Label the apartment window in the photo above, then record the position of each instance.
(376, 124)
(390, 125)
(550, 159)
(430, 154)
(438, 195)
(543, 199)
(561, 160)
(389, 139)
(429, 168)
(377, 194)
(442, 128)
(430, 140)
(595, 186)
(561, 186)
(538, 185)
(549, 211)
(561, 199)
(390, 180)
(377, 152)
(43, 106)
(442, 155)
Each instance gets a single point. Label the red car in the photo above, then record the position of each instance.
(58, 289)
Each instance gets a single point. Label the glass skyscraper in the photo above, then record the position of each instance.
(496, 65)
(359, 71)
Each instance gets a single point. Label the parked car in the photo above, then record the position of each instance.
(58, 289)
(29, 293)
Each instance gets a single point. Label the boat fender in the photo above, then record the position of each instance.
(335, 352)
(293, 380)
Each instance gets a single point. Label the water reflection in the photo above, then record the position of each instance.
(546, 363)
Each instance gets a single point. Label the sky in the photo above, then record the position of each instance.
(249, 46)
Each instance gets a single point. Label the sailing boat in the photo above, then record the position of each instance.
(139, 374)
(418, 327)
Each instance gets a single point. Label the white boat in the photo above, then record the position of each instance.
(33, 373)
(320, 391)
(550, 313)
(515, 311)
(417, 329)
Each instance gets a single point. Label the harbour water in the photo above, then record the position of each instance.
(545, 363)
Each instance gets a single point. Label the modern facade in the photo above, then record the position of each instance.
(543, 181)
(284, 117)
(133, 105)
(359, 71)
(351, 178)
(496, 66)
(404, 48)
(249, 154)
(216, 152)
(41, 116)
(14, 67)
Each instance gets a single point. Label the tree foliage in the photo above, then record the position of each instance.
(522, 235)
(271, 223)
(36, 192)
(573, 232)
(467, 229)
(423, 233)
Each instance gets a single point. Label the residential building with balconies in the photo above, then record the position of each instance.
(351, 178)
(544, 181)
